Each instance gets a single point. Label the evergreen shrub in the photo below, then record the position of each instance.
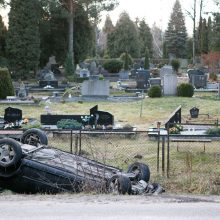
(155, 91)
(213, 76)
(69, 124)
(185, 90)
(6, 87)
(213, 131)
(113, 65)
(126, 59)
(175, 64)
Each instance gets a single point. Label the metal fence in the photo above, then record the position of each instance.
(114, 148)
(189, 164)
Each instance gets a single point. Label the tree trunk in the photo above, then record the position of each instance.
(194, 30)
(71, 29)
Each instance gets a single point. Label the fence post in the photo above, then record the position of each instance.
(71, 141)
(168, 150)
(163, 155)
(80, 141)
(76, 143)
(158, 146)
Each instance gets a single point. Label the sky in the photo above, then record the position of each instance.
(155, 11)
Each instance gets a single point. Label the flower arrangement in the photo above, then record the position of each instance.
(176, 129)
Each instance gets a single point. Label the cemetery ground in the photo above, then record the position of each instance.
(191, 169)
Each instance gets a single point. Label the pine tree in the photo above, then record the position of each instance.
(204, 37)
(146, 59)
(124, 38)
(3, 32)
(23, 40)
(145, 38)
(215, 42)
(103, 36)
(108, 26)
(176, 35)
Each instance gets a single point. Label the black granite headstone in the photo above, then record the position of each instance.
(101, 117)
(194, 112)
(12, 115)
(142, 79)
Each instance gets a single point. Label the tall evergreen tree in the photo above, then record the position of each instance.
(215, 38)
(3, 32)
(23, 40)
(145, 38)
(108, 26)
(103, 35)
(204, 37)
(176, 35)
(54, 34)
(124, 38)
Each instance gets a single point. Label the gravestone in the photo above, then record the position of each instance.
(142, 78)
(197, 78)
(194, 112)
(155, 81)
(47, 78)
(170, 84)
(183, 63)
(84, 73)
(22, 92)
(94, 77)
(123, 75)
(167, 69)
(12, 115)
(101, 117)
(95, 88)
(93, 68)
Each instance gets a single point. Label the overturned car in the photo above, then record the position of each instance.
(30, 166)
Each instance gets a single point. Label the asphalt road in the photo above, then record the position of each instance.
(95, 207)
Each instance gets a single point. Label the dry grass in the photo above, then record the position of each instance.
(192, 171)
(156, 109)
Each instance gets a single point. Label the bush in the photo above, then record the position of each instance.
(68, 65)
(213, 131)
(3, 62)
(6, 87)
(175, 64)
(154, 91)
(80, 79)
(213, 76)
(127, 60)
(113, 65)
(185, 90)
(69, 124)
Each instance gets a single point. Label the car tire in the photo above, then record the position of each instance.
(10, 153)
(141, 170)
(119, 184)
(34, 137)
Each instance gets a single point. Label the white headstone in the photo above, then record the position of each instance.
(170, 84)
(95, 88)
(167, 69)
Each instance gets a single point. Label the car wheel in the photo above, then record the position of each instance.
(141, 170)
(10, 153)
(34, 137)
(119, 184)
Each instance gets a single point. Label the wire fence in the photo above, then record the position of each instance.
(188, 165)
